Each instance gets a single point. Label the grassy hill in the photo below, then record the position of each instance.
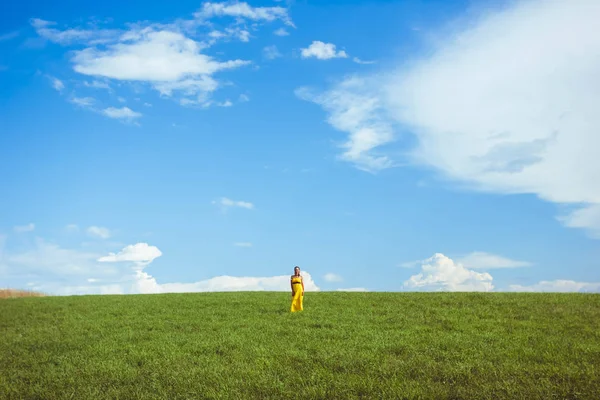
(344, 345)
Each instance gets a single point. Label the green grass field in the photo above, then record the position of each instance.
(344, 345)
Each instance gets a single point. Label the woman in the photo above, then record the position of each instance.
(297, 285)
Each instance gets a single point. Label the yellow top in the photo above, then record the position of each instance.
(296, 280)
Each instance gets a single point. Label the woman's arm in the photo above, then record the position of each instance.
(292, 286)
(302, 280)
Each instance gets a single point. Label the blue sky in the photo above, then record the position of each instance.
(383, 146)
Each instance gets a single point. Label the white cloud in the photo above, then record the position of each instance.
(70, 36)
(281, 32)
(363, 62)
(147, 284)
(526, 126)
(156, 56)
(322, 51)
(165, 56)
(244, 11)
(558, 286)
(138, 281)
(97, 85)
(226, 103)
(203, 84)
(49, 258)
(58, 270)
(440, 273)
(139, 253)
(225, 202)
(124, 113)
(232, 32)
(354, 108)
(215, 35)
(357, 289)
(2, 243)
(271, 52)
(99, 232)
(147, 105)
(72, 272)
(243, 35)
(331, 277)
(586, 217)
(60, 290)
(410, 264)
(167, 60)
(72, 228)
(85, 102)
(243, 98)
(57, 84)
(243, 244)
(9, 36)
(25, 228)
(482, 260)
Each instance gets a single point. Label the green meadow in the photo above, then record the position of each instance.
(343, 346)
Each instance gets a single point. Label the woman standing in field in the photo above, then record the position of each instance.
(297, 285)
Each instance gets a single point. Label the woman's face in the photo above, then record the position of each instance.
(296, 271)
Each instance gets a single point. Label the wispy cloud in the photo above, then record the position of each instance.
(356, 289)
(359, 61)
(97, 85)
(331, 277)
(228, 34)
(354, 107)
(51, 260)
(9, 36)
(99, 232)
(322, 51)
(281, 32)
(25, 228)
(2, 244)
(228, 203)
(482, 260)
(243, 244)
(587, 217)
(410, 264)
(85, 102)
(69, 36)
(244, 11)
(123, 113)
(271, 52)
(558, 286)
(72, 228)
(57, 84)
